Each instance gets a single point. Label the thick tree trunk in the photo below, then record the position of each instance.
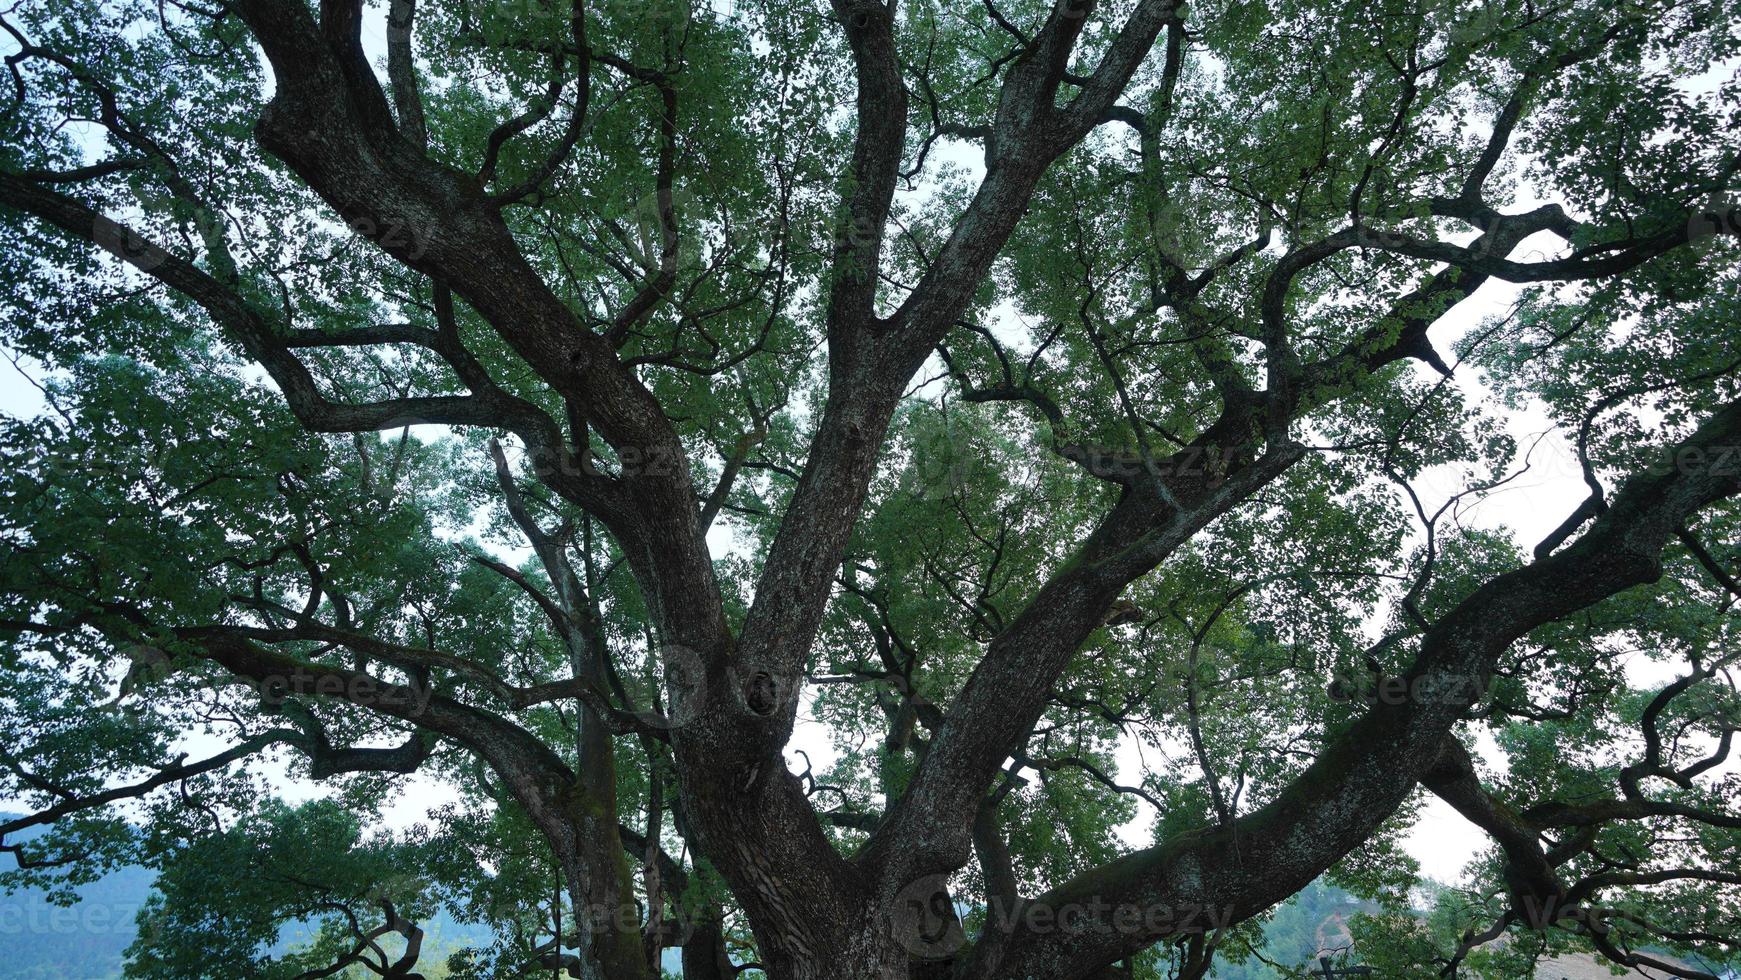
(596, 865)
(603, 895)
(704, 951)
(865, 949)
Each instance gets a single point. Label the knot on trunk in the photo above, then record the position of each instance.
(761, 693)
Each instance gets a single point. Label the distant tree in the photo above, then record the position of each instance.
(565, 400)
(222, 903)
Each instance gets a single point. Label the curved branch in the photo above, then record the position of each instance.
(1369, 769)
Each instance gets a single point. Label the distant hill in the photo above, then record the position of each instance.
(40, 941)
(1313, 922)
(86, 941)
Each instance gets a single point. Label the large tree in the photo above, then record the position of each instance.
(1037, 404)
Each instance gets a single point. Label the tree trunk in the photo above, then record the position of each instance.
(864, 950)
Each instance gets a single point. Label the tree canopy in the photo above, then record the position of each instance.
(871, 489)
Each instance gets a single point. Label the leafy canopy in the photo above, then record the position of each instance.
(780, 466)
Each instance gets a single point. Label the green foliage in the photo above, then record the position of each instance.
(167, 489)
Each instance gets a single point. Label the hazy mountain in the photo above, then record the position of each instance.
(86, 941)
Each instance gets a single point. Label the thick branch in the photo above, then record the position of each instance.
(1369, 769)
